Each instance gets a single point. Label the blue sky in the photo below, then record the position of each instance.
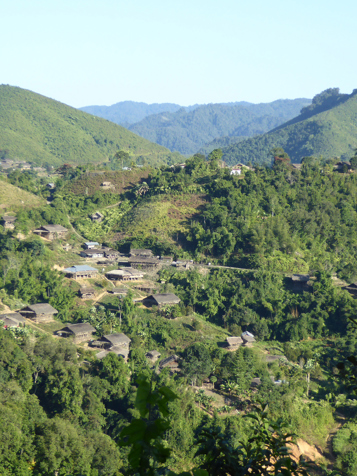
(199, 51)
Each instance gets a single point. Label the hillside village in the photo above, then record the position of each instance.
(227, 285)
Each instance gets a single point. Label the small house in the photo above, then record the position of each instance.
(79, 332)
(300, 282)
(12, 319)
(86, 293)
(81, 271)
(171, 363)
(166, 259)
(89, 245)
(111, 254)
(143, 262)
(239, 168)
(92, 253)
(39, 313)
(236, 170)
(124, 274)
(248, 339)
(51, 232)
(118, 343)
(234, 343)
(8, 222)
(107, 185)
(97, 217)
(162, 300)
(50, 185)
(152, 356)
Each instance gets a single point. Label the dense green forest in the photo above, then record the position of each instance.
(186, 131)
(43, 131)
(325, 128)
(66, 412)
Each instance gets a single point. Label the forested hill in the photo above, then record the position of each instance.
(125, 113)
(43, 131)
(327, 127)
(188, 131)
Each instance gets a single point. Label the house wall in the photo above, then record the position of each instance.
(41, 318)
(82, 337)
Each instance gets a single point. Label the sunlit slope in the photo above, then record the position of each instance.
(12, 197)
(41, 130)
(330, 133)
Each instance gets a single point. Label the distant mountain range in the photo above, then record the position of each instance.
(327, 127)
(188, 129)
(126, 113)
(43, 131)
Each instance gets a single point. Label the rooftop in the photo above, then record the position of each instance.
(52, 228)
(117, 339)
(79, 268)
(165, 298)
(79, 328)
(41, 308)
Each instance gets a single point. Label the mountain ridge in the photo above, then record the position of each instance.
(188, 131)
(327, 127)
(45, 131)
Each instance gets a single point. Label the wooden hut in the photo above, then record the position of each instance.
(8, 222)
(92, 253)
(80, 332)
(248, 339)
(51, 232)
(153, 356)
(233, 343)
(12, 319)
(162, 300)
(171, 362)
(39, 313)
(86, 293)
(117, 343)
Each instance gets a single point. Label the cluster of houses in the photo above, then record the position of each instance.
(246, 339)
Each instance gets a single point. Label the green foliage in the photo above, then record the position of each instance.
(144, 434)
(44, 131)
(327, 128)
(344, 445)
(265, 453)
(188, 130)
